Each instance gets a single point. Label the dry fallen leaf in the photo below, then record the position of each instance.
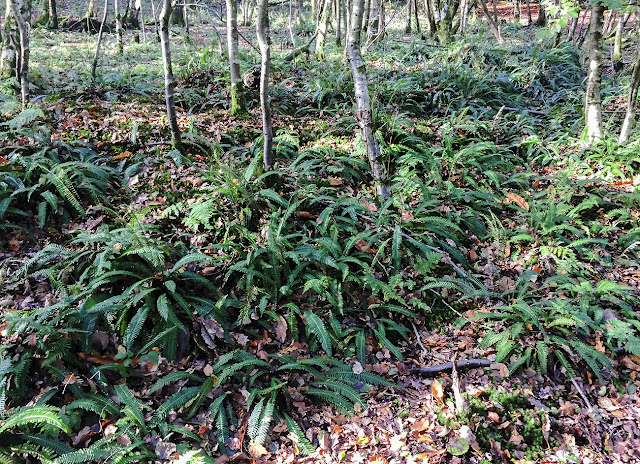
(518, 200)
(357, 368)
(256, 450)
(362, 246)
(377, 459)
(361, 441)
(369, 205)
(437, 391)
(281, 329)
(335, 181)
(421, 425)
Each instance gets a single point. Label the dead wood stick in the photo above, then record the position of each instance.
(464, 364)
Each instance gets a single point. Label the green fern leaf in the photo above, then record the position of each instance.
(315, 326)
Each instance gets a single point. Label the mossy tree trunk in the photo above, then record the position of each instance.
(363, 102)
(169, 81)
(593, 103)
(495, 27)
(264, 41)
(431, 20)
(238, 102)
(323, 26)
(10, 44)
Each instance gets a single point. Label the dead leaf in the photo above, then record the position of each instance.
(3, 161)
(281, 329)
(369, 205)
(568, 408)
(406, 216)
(361, 441)
(629, 364)
(256, 450)
(377, 459)
(518, 200)
(502, 369)
(599, 345)
(437, 391)
(421, 425)
(494, 417)
(335, 181)
(362, 246)
(208, 370)
(306, 215)
(516, 439)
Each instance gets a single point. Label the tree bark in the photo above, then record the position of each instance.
(632, 100)
(339, 14)
(21, 13)
(374, 21)
(495, 28)
(407, 29)
(10, 44)
(53, 14)
(431, 21)
(94, 65)
(593, 103)
(529, 19)
(238, 102)
(169, 82)
(120, 46)
(542, 15)
(155, 20)
(264, 41)
(617, 45)
(323, 26)
(363, 103)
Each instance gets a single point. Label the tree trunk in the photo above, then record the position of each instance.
(431, 21)
(21, 13)
(407, 29)
(339, 13)
(542, 15)
(617, 45)
(94, 65)
(593, 104)
(632, 100)
(91, 9)
(529, 19)
(10, 44)
(53, 14)
(169, 83)
(495, 11)
(363, 111)
(120, 46)
(155, 20)
(238, 102)
(177, 17)
(264, 41)
(323, 26)
(495, 28)
(415, 14)
(374, 21)
(133, 14)
(516, 11)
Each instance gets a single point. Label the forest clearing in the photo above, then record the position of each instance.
(350, 231)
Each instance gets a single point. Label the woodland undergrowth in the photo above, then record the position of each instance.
(127, 261)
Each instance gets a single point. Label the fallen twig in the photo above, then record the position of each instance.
(464, 364)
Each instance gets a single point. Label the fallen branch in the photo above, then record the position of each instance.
(301, 49)
(464, 364)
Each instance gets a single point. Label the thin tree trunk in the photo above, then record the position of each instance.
(10, 44)
(495, 10)
(363, 112)
(374, 21)
(593, 103)
(632, 100)
(415, 14)
(264, 41)
(169, 83)
(53, 14)
(431, 21)
(120, 46)
(94, 65)
(542, 15)
(141, 19)
(516, 11)
(238, 102)
(155, 20)
(495, 28)
(529, 19)
(617, 45)
(20, 9)
(607, 29)
(339, 13)
(323, 25)
(407, 29)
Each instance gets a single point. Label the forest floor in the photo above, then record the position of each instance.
(454, 414)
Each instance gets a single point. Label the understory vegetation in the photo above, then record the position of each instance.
(166, 306)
